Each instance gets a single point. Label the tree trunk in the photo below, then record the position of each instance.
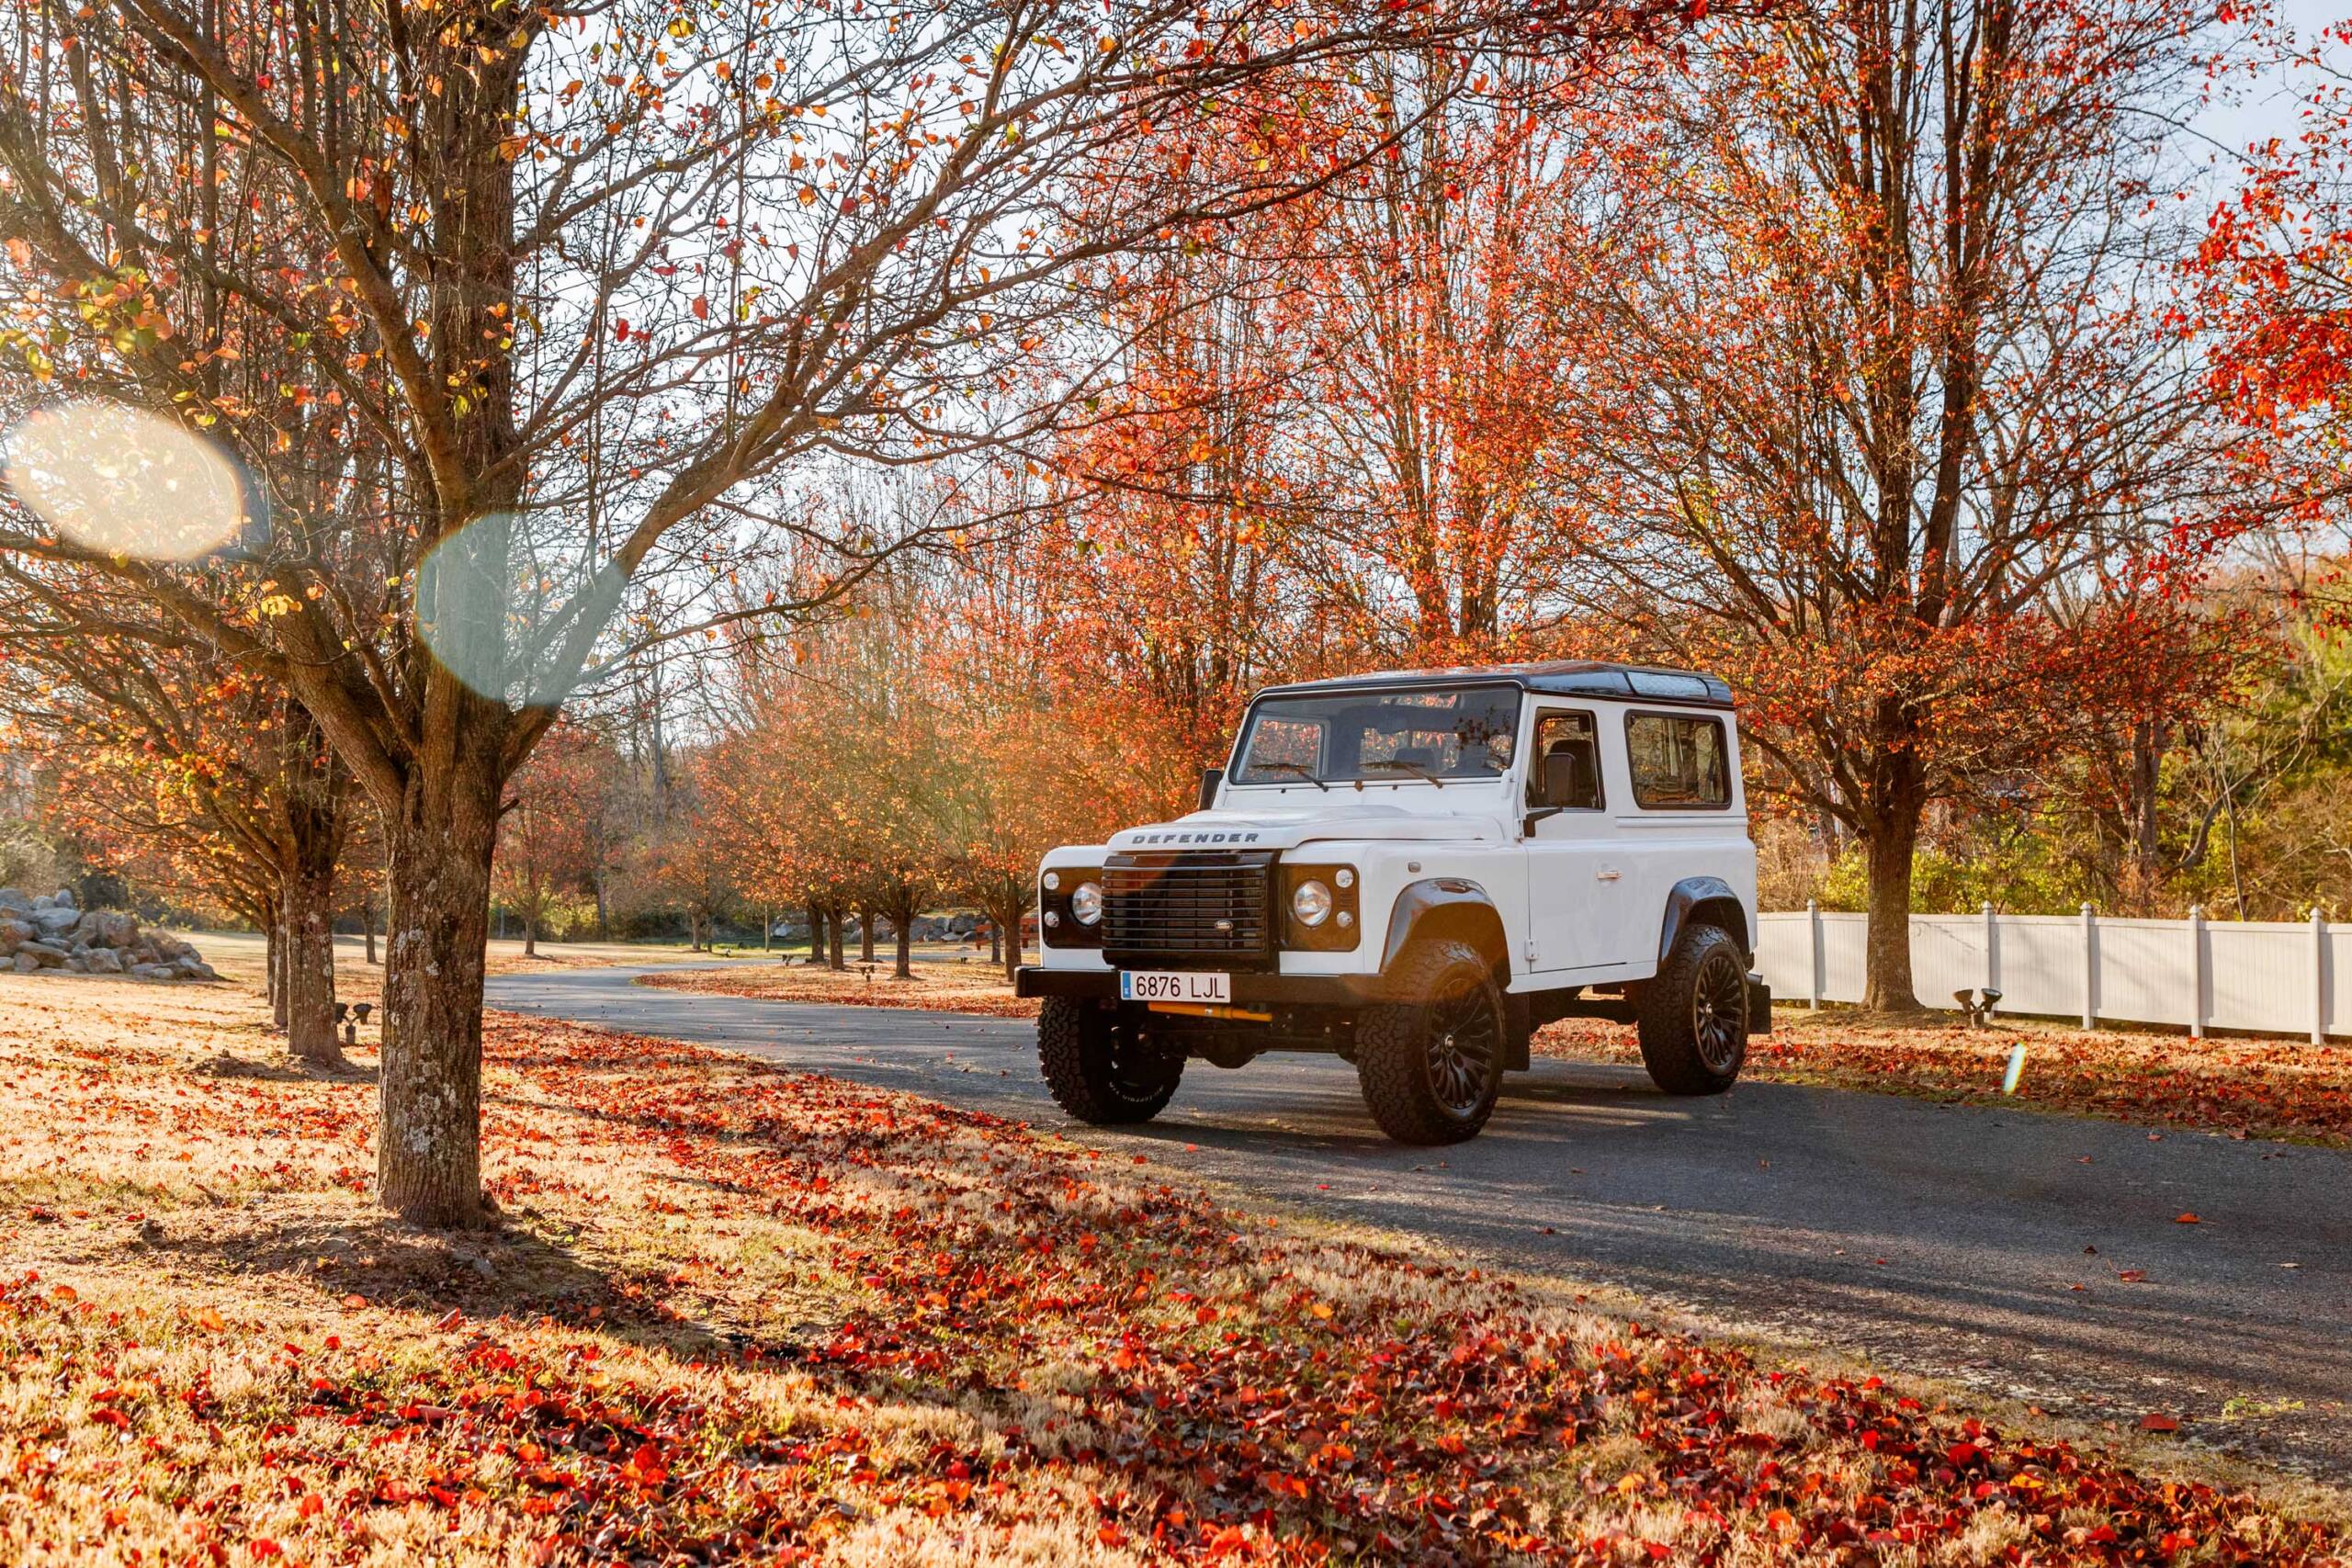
(310, 842)
(1007, 953)
(767, 928)
(1886, 986)
(310, 966)
(902, 926)
(368, 925)
(816, 935)
(866, 934)
(428, 1151)
(274, 960)
(530, 934)
(996, 939)
(833, 936)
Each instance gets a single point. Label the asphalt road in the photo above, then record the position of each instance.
(1938, 1239)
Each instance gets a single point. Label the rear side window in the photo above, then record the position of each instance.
(1679, 763)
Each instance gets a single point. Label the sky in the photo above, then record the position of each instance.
(2266, 108)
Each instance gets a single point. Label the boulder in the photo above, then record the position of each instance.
(152, 971)
(56, 921)
(14, 899)
(61, 899)
(104, 961)
(14, 933)
(75, 966)
(47, 955)
(117, 928)
(46, 901)
(25, 963)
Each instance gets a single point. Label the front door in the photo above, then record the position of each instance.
(1577, 892)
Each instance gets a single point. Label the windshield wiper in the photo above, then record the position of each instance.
(1416, 769)
(1301, 769)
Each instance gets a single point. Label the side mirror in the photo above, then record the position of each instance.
(1211, 780)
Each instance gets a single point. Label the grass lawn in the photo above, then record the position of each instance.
(734, 1313)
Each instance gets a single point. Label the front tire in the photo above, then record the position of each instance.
(1431, 1069)
(1695, 1014)
(1103, 1067)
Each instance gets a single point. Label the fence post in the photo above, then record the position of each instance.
(1992, 949)
(2319, 976)
(1812, 956)
(2197, 971)
(2091, 967)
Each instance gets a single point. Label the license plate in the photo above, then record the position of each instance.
(1174, 986)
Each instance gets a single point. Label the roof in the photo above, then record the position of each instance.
(1559, 677)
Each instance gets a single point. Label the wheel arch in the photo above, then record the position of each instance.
(1707, 901)
(1447, 908)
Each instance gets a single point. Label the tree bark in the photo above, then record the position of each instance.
(1892, 840)
(833, 936)
(530, 934)
(902, 926)
(309, 967)
(428, 1153)
(274, 961)
(866, 934)
(1006, 917)
(367, 923)
(816, 935)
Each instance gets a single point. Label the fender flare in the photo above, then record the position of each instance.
(1418, 900)
(1716, 894)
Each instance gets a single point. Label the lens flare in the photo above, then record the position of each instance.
(507, 602)
(2016, 1070)
(121, 480)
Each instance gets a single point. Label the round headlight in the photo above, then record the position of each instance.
(1052, 879)
(1311, 902)
(1345, 877)
(1086, 902)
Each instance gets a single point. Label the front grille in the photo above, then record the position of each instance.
(1215, 907)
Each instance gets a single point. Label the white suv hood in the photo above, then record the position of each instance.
(1287, 827)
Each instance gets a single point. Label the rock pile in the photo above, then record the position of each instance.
(49, 932)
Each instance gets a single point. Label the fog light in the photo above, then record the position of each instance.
(1052, 917)
(1053, 880)
(1346, 920)
(1346, 876)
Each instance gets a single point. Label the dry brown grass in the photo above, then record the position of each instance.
(734, 1313)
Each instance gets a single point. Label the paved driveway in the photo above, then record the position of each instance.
(1943, 1239)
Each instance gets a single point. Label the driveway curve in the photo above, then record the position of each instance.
(2040, 1258)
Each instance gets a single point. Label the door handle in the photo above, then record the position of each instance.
(1610, 875)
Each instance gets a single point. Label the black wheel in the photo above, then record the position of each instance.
(1695, 1014)
(1432, 1068)
(1101, 1064)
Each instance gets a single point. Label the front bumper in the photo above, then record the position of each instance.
(1249, 987)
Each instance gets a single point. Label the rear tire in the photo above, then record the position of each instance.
(1695, 1014)
(1102, 1066)
(1432, 1068)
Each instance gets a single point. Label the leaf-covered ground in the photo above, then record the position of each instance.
(2255, 1087)
(737, 1315)
(977, 986)
(2250, 1088)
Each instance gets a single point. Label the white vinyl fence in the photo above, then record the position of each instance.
(2277, 977)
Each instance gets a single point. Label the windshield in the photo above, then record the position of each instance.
(1436, 734)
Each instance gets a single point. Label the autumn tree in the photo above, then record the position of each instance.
(1896, 420)
(547, 839)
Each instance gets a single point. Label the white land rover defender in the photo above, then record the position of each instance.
(1415, 871)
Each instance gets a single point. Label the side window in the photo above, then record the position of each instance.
(1281, 751)
(1679, 764)
(1568, 762)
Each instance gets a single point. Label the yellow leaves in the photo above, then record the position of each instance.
(278, 604)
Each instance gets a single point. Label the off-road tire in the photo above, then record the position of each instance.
(1101, 1069)
(1693, 1021)
(1403, 1066)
